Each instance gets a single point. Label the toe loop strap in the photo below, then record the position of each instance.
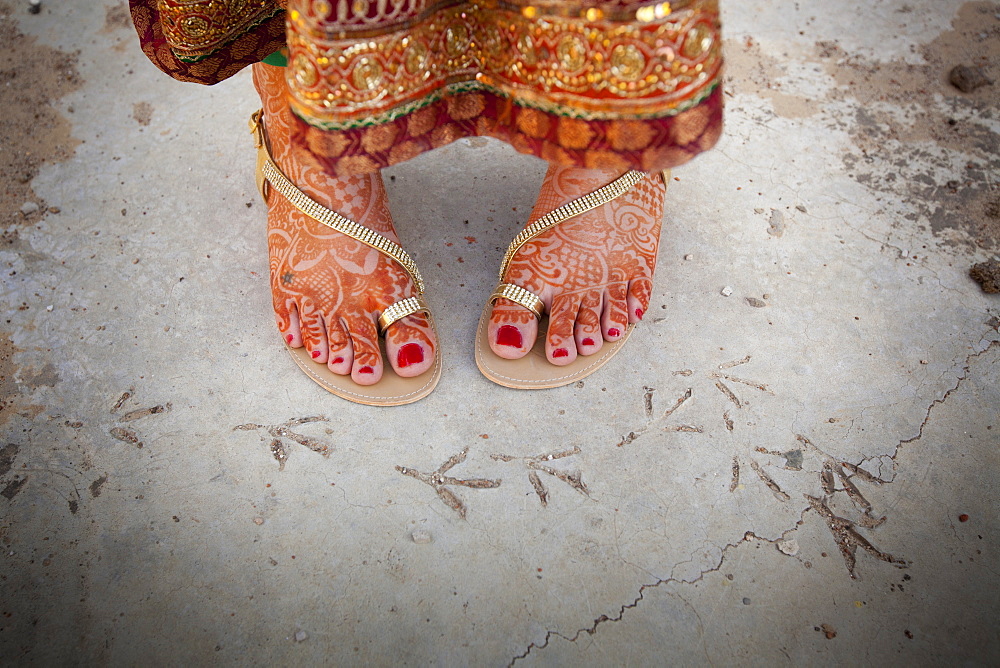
(400, 310)
(519, 296)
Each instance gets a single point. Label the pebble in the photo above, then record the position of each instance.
(29, 208)
(421, 537)
(34, 6)
(789, 547)
(756, 303)
(689, 257)
(300, 636)
(258, 520)
(746, 601)
(49, 308)
(726, 291)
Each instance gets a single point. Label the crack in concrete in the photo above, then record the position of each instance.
(592, 629)
(937, 402)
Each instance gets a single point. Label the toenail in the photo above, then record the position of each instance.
(587, 341)
(409, 354)
(337, 360)
(614, 331)
(316, 354)
(638, 313)
(560, 352)
(289, 338)
(366, 369)
(509, 335)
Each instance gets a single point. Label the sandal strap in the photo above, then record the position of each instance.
(529, 300)
(275, 178)
(400, 310)
(519, 296)
(571, 209)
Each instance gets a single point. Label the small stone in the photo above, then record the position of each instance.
(421, 537)
(987, 274)
(34, 6)
(766, 295)
(49, 308)
(967, 79)
(924, 362)
(28, 208)
(789, 547)
(963, 518)
(54, 209)
(726, 291)
(746, 601)
(801, 208)
(756, 303)
(828, 631)
(689, 257)
(258, 520)
(300, 636)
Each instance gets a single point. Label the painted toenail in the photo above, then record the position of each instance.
(614, 331)
(638, 313)
(366, 369)
(337, 360)
(316, 354)
(409, 354)
(560, 352)
(289, 338)
(509, 335)
(587, 341)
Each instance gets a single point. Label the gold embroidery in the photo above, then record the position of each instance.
(195, 29)
(596, 70)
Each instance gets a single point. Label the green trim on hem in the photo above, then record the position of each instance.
(277, 59)
(475, 86)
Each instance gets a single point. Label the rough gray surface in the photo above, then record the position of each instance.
(176, 491)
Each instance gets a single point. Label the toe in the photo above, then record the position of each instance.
(409, 345)
(614, 319)
(366, 368)
(512, 330)
(560, 346)
(587, 332)
(287, 318)
(340, 358)
(638, 298)
(312, 328)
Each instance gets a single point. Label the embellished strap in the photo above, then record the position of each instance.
(601, 196)
(400, 310)
(269, 174)
(519, 295)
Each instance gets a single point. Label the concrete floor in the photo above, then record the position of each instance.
(719, 491)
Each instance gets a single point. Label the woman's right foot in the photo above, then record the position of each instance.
(328, 289)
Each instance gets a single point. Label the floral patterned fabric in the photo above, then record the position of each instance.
(619, 84)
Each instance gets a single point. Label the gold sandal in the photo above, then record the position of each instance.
(391, 390)
(534, 371)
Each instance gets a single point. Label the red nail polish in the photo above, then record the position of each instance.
(560, 352)
(509, 335)
(638, 313)
(289, 338)
(337, 360)
(316, 354)
(587, 342)
(614, 331)
(409, 354)
(366, 369)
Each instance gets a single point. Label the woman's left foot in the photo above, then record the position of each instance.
(593, 272)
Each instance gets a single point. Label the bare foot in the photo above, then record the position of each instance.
(328, 289)
(593, 272)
